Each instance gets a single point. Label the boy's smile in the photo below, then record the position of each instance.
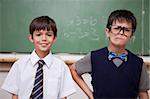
(43, 40)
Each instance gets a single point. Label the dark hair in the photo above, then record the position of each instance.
(42, 23)
(121, 15)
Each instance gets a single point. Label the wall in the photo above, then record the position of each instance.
(146, 25)
(81, 23)
(0, 25)
(4, 94)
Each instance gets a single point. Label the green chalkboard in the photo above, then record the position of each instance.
(0, 27)
(81, 24)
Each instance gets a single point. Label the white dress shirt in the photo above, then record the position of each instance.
(58, 82)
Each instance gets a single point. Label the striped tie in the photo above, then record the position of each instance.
(37, 92)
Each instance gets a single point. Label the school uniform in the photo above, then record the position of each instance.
(57, 82)
(114, 78)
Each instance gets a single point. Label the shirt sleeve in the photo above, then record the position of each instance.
(84, 65)
(11, 81)
(67, 84)
(144, 80)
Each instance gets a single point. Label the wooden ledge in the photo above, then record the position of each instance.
(7, 60)
(68, 62)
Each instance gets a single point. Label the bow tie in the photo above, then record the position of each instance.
(113, 55)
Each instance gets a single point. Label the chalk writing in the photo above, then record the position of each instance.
(81, 28)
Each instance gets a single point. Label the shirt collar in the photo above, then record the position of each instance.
(35, 58)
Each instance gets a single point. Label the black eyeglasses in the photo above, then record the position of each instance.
(115, 29)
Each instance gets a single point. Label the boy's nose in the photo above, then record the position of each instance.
(121, 31)
(43, 37)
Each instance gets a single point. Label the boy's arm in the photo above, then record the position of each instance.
(144, 83)
(81, 83)
(14, 96)
(143, 95)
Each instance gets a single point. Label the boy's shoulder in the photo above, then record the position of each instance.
(57, 59)
(134, 56)
(23, 59)
(59, 63)
(100, 50)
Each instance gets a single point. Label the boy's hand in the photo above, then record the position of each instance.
(91, 97)
(14, 96)
(80, 81)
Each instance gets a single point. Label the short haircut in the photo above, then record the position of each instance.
(122, 15)
(43, 23)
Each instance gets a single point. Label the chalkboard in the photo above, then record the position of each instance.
(0, 26)
(81, 24)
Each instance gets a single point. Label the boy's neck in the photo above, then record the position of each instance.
(42, 54)
(117, 50)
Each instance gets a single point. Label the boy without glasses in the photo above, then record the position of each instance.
(116, 72)
(40, 75)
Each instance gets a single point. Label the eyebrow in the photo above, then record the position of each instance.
(122, 26)
(50, 32)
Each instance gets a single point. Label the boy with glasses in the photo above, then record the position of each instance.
(116, 72)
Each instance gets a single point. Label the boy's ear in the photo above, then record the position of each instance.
(132, 38)
(30, 38)
(55, 39)
(107, 32)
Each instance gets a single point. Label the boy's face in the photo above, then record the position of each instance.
(120, 33)
(42, 40)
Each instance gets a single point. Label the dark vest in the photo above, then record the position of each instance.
(109, 81)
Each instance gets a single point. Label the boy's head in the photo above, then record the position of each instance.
(43, 32)
(122, 15)
(120, 27)
(43, 23)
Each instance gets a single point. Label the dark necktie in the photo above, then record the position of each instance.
(113, 55)
(37, 92)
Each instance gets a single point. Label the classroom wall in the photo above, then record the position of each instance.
(0, 25)
(4, 94)
(146, 27)
(149, 25)
(80, 23)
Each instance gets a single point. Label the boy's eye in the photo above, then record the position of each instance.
(38, 34)
(49, 34)
(117, 28)
(128, 30)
